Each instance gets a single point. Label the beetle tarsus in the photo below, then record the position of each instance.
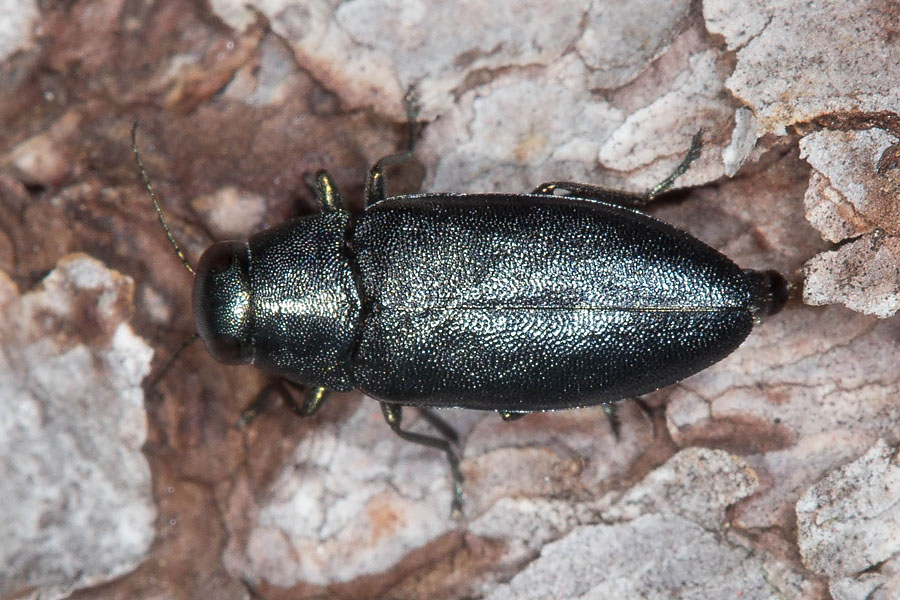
(256, 408)
(262, 403)
(393, 414)
(411, 101)
(693, 154)
(151, 386)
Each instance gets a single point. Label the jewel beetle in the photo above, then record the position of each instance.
(511, 303)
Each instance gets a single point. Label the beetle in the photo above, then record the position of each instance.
(511, 303)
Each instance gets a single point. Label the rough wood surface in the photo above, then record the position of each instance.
(770, 475)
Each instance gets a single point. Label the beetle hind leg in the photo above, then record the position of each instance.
(590, 192)
(693, 154)
(393, 414)
(375, 184)
(595, 192)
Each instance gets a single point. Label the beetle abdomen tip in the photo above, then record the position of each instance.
(770, 292)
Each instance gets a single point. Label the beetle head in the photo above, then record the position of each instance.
(222, 302)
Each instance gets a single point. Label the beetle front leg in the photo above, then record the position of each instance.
(595, 192)
(327, 194)
(393, 414)
(152, 383)
(375, 185)
(313, 399)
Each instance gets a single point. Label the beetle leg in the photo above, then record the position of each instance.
(590, 192)
(615, 423)
(595, 192)
(393, 414)
(647, 411)
(612, 415)
(375, 185)
(510, 416)
(260, 404)
(440, 424)
(313, 399)
(151, 385)
(327, 194)
(693, 154)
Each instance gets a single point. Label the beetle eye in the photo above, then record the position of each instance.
(225, 348)
(217, 259)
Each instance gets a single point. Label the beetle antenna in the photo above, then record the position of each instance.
(159, 212)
